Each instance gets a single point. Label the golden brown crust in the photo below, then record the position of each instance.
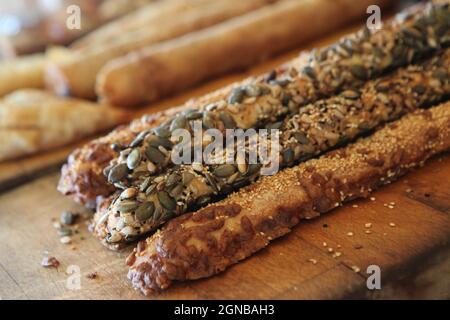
(206, 242)
(33, 120)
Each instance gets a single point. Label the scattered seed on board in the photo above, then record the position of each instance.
(50, 262)
(65, 240)
(68, 217)
(356, 269)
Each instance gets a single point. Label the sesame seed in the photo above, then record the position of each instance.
(391, 224)
(313, 261)
(350, 234)
(337, 254)
(368, 231)
(324, 244)
(355, 206)
(330, 250)
(372, 198)
(368, 225)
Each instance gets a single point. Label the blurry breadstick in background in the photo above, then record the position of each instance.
(171, 66)
(34, 120)
(77, 75)
(22, 72)
(147, 17)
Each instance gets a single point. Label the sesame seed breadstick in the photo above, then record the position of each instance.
(206, 242)
(322, 73)
(149, 199)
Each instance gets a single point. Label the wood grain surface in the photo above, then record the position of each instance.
(282, 270)
(402, 239)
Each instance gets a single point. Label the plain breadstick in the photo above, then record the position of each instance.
(76, 75)
(22, 72)
(146, 17)
(162, 69)
(34, 120)
(206, 242)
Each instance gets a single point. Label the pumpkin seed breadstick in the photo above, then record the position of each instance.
(149, 200)
(206, 242)
(326, 72)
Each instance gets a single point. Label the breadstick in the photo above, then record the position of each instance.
(22, 72)
(146, 17)
(33, 120)
(82, 177)
(77, 75)
(148, 199)
(159, 70)
(204, 243)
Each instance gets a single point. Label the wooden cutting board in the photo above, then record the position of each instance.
(403, 240)
(297, 266)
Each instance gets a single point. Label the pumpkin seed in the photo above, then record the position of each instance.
(114, 237)
(211, 182)
(156, 141)
(178, 123)
(107, 169)
(118, 172)
(162, 132)
(194, 115)
(68, 217)
(177, 190)
(288, 155)
(145, 211)
(441, 74)
(275, 125)
(208, 121)
(227, 120)
(224, 170)
(286, 98)
(172, 179)
(166, 200)
(358, 71)
(236, 96)
(115, 147)
(419, 89)
(351, 94)
(133, 159)
(128, 193)
(309, 71)
(186, 178)
(139, 138)
(155, 155)
(301, 137)
(145, 184)
(253, 168)
(252, 91)
(126, 206)
(128, 232)
(150, 189)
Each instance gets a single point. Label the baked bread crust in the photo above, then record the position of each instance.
(82, 177)
(33, 120)
(322, 126)
(206, 242)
